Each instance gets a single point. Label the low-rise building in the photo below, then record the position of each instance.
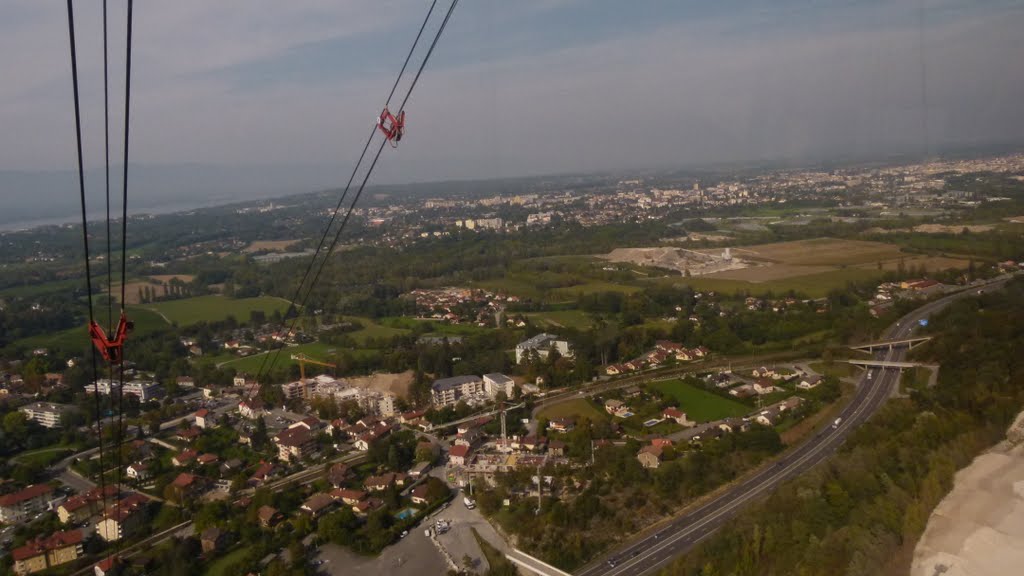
(20, 506)
(318, 504)
(448, 391)
(46, 414)
(123, 519)
(650, 456)
(269, 516)
(542, 344)
(294, 443)
(47, 552)
(496, 382)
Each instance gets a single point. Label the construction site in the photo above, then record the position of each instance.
(686, 262)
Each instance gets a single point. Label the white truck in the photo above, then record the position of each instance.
(469, 503)
(837, 423)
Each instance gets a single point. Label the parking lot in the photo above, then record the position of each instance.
(414, 555)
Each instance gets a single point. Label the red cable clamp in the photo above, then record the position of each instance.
(111, 347)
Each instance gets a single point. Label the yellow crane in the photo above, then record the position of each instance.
(302, 359)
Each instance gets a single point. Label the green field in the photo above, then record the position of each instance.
(372, 329)
(568, 318)
(835, 369)
(699, 405)
(74, 339)
(575, 408)
(315, 350)
(594, 287)
(219, 565)
(813, 285)
(214, 308)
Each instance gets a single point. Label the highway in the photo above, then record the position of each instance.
(652, 551)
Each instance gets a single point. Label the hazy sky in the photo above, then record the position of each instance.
(518, 87)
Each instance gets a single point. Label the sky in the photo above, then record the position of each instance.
(514, 88)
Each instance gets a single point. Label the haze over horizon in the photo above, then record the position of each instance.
(271, 99)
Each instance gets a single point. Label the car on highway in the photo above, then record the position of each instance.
(837, 423)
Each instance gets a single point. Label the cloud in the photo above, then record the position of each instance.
(514, 88)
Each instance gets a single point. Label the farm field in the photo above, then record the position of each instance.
(156, 283)
(576, 408)
(813, 285)
(836, 369)
(699, 405)
(928, 262)
(372, 329)
(821, 252)
(563, 318)
(592, 287)
(189, 311)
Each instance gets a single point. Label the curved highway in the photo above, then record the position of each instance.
(652, 551)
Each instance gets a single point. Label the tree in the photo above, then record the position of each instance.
(16, 426)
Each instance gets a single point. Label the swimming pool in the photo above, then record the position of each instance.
(405, 514)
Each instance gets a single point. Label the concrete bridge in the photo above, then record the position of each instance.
(890, 344)
(533, 565)
(886, 364)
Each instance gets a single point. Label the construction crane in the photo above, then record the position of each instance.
(302, 359)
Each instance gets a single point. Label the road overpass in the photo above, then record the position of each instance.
(890, 344)
(886, 363)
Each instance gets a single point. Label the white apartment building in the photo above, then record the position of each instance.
(543, 344)
(497, 382)
(448, 391)
(46, 414)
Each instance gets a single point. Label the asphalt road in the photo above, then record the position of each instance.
(650, 553)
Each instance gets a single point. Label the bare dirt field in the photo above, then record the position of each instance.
(978, 528)
(695, 262)
(131, 293)
(269, 245)
(397, 384)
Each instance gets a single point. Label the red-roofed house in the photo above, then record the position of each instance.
(185, 458)
(678, 415)
(458, 455)
(650, 456)
(348, 496)
(203, 419)
(419, 495)
(264, 472)
(204, 459)
(106, 566)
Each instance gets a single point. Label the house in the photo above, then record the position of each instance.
(264, 472)
(542, 344)
(187, 485)
(763, 386)
(419, 470)
(203, 418)
(138, 471)
(19, 506)
(407, 417)
(614, 406)
(419, 495)
(294, 443)
(556, 448)
(211, 539)
(458, 455)
(650, 456)
(123, 518)
(348, 496)
(185, 382)
(185, 458)
(47, 552)
(317, 504)
(613, 370)
(809, 382)
(743, 391)
(106, 567)
(562, 425)
(364, 440)
(338, 474)
(470, 437)
(269, 516)
(251, 408)
(533, 443)
(678, 415)
(207, 458)
(188, 434)
(80, 507)
(233, 465)
(661, 442)
(364, 507)
(384, 481)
